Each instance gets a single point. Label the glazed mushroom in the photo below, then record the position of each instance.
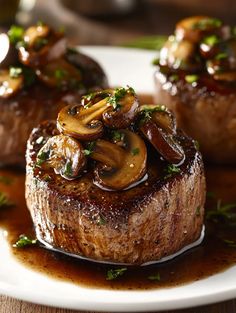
(64, 154)
(41, 45)
(82, 123)
(120, 167)
(10, 83)
(159, 126)
(179, 55)
(116, 108)
(196, 27)
(59, 73)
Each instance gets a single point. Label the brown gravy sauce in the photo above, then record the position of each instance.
(211, 257)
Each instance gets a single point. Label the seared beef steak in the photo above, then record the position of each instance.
(156, 218)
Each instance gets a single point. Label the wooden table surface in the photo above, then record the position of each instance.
(9, 305)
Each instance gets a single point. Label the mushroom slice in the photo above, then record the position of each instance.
(64, 154)
(124, 108)
(41, 45)
(179, 55)
(82, 123)
(59, 73)
(159, 127)
(9, 85)
(196, 27)
(121, 167)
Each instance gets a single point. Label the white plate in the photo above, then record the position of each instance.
(132, 67)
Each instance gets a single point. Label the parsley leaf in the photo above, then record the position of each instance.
(135, 151)
(24, 241)
(171, 170)
(115, 273)
(118, 95)
(89, 148)
(191, 78)
(156, 277)
(15, 34)
(15, 71)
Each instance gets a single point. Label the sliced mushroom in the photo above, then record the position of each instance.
(124, 114)
(41, 45)
(64, 154)
(9, 85)
(160, 129)
(179, 55)
(94, 97)
(196, 27)
(120, 167)
(60, 73)
(82, 123)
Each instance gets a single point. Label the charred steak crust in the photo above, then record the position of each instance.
(152, 220)
(206, 114)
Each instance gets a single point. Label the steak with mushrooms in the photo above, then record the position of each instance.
(121, 197)
(196, 79)
(39, 73)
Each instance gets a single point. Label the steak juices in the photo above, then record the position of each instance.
(114, 181)
(39, 73)
(196, 79)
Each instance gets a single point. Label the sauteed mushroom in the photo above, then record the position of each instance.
(9, 84)
(121, 167)
(64, 154)
(159, 127)
(41, 45)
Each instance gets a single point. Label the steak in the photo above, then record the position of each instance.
(31, 105)
(206, 111)
(156, 218)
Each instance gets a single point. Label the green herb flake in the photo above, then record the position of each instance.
(40, 43)
(221, 56)
(6, 180)
(146, 112)
(68, 169)
(222, 212)
(205, 23)
(117, 136)
(230, 243)
(115, 273)
(171, 170)
(89, 148)
(211, 40)
(4, 200)
(15, 34)
(24, 241)
(42, 157)
(198, 211)
(174, 77)
(60, 74)
(101, 220)
(119, 93)
(15, 72)
(135, 151)
(155, 277)
(191, 78)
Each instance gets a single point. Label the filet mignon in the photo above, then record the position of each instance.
(154, 219)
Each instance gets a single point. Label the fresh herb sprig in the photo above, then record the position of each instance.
(115, 273)
(171, 170)
(90, 148)
(222, 212)
(24, 241)
(118, 95)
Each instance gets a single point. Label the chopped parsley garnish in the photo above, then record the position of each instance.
(191, 78)
(222, 212)
(60, 74)
(15, 72)
(221, 56)
(15, 34)
(42, 157)
(230, 243)
(115, 273)
(135, 151)
(171, 170)
(24, 241)
(117, 136)
(89, 148)
(101, 220)
(6, 180)
(118, 95)
(156, 277)
(147, 111)
(4, 200)
(174, 77)
(203, 24)
(68, 169)
(211, 40)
